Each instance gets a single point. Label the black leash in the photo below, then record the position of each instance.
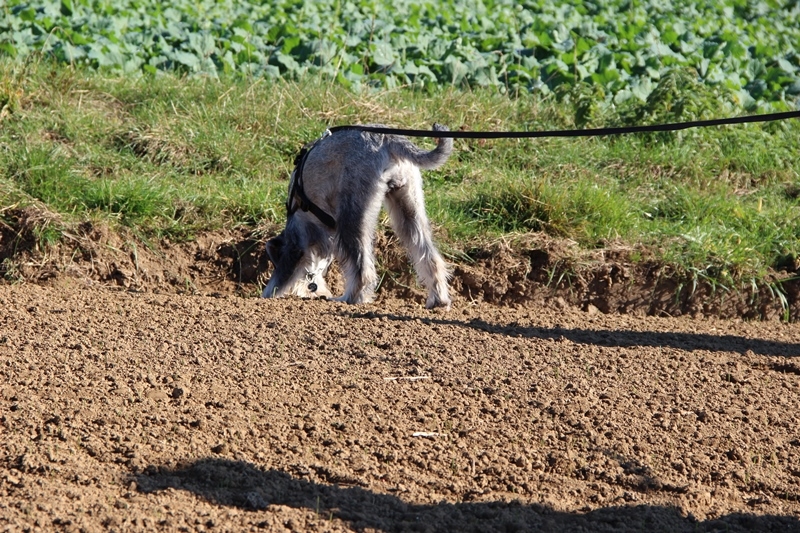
(305, 203)
(592, 132)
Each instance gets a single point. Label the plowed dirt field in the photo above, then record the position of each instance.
(135, 411)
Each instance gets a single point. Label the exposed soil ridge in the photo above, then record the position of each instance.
(536, 269)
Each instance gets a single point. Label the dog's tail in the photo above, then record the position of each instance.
(424, 159)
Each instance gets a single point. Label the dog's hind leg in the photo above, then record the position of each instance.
(406, 207)
(356, 223)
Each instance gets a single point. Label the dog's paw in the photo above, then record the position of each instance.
(269, 293)
(355, 300)
(434, 302)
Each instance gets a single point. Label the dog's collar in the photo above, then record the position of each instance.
(296, 188)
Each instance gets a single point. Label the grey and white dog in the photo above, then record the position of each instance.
(335, 196)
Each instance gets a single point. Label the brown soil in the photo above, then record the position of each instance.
(147, 389)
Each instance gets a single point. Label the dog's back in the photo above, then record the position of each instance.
(353, 145)
(349, 162)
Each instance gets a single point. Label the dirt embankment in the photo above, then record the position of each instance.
(535, 270)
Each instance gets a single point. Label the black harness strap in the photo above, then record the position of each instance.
(296, 189)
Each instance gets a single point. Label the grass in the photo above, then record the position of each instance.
(170, 157)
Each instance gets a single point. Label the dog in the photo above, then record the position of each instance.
(335, 195)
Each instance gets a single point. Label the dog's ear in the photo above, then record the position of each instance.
(275, 249)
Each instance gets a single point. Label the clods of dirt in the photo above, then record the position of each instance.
(123, 410)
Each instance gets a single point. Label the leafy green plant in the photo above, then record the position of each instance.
(625, 48)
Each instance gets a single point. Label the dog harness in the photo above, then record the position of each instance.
(296, 190)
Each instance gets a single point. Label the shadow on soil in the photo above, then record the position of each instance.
(621, 338)
(245, 486)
